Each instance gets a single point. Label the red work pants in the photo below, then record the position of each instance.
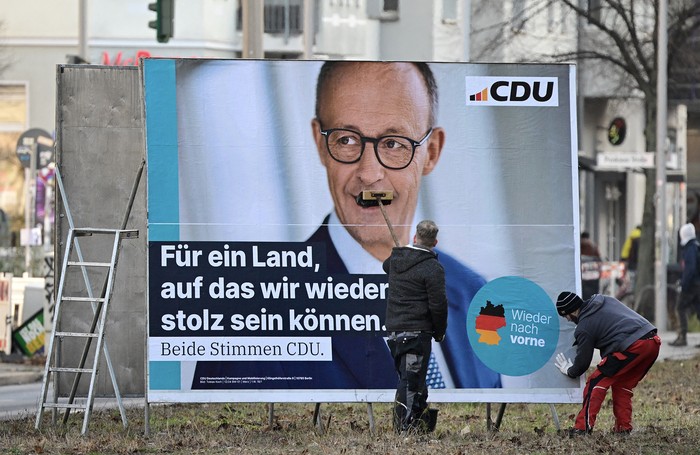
(622, 371)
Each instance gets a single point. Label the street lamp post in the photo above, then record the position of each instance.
(30, 197)
(661, 250)
(82, 30)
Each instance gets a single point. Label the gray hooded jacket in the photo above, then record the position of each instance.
(606, 324)
(417, 300)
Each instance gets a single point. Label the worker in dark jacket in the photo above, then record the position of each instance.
(416, 313)
(628, 346)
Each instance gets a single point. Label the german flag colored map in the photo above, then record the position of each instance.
(490, 319)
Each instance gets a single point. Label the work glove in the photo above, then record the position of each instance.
(563, 363)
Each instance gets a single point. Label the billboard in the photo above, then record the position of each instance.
(265, 263)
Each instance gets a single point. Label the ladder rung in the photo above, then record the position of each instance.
(64, 405)
(90, 264)
(70, 370)
(84, 299)
(129, 234)
(123, 233)
(76, 334)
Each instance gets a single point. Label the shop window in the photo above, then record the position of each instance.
(384, 10)
(449, 11)
(594, 8)
(280, 16)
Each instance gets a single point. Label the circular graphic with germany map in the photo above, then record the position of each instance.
(513, 326)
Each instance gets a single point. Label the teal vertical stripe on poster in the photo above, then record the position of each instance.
(164, 375)
(161, 149)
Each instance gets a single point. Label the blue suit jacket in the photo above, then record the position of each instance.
(365, 362)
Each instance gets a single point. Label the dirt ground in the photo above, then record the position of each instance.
(666, 417)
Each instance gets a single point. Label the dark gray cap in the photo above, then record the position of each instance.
(568, 302)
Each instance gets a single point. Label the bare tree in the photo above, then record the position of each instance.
(620, 36)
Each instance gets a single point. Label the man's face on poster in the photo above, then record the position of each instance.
(377, 99)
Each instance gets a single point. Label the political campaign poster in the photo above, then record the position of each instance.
(266, 239)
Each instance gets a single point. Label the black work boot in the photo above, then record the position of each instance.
(575, 432)
(680, 341)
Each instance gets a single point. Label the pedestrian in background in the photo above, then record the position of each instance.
(690, 283)
(630, 254)
(588, 246)
(628, 346)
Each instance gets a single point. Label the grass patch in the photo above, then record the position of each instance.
(666, 418)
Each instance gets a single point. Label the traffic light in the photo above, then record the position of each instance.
(165, 11)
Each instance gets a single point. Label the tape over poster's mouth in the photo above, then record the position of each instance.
(370, 198)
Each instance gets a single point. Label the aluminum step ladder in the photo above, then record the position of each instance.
(73, 258)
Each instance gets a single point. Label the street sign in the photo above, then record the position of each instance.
(617, 131)
(35, 139)
(30, 237)
(30, 335)
(623, 161)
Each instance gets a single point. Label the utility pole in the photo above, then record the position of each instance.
(466, 30)
(253, 28)
(661, 249)
(82, 31)
(308, 29)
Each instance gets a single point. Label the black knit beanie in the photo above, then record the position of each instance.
(568, 302)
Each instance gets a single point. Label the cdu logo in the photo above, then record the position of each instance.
(512, 91)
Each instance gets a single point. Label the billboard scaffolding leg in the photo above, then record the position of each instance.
(318, 423)
(494, 426)
(370, 416)
(555, 416)
(317, 418)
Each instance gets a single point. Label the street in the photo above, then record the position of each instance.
(19, 400)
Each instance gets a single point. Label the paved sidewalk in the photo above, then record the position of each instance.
(669, 352)
(14, 373)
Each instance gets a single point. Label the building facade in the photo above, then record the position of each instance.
(36, 36)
